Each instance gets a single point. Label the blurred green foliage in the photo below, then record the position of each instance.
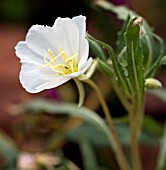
(15, 11)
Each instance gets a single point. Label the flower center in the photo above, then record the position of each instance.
(69, 64)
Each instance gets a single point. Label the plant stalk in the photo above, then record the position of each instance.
(136, 118)
(135, 155)
(118, 148)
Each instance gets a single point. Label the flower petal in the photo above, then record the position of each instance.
(66, 34)
(84, 52)
(27, 55)
(40, 38)
(35, 79)
(80, 21)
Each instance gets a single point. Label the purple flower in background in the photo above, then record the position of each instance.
(118, 2)
(53, 94)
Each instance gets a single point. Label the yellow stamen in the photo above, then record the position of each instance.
(63, 54)
(68, 65)
(59, 66)
(52, 55)
(71, 58)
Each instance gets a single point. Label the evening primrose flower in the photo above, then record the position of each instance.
(51, 56)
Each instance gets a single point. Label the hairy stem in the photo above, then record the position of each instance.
(118, 148)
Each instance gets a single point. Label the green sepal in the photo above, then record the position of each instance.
(81, 91)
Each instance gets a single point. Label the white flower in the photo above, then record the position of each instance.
(51, 56)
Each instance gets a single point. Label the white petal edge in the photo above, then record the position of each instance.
(55, 83)
(40, 38)
(35, 79)
(84, 52)
(27, 55)
(80, 21)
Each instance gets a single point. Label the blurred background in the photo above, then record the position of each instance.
(16, 17)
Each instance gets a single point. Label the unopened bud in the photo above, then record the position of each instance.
(152, 83)
(138, 21)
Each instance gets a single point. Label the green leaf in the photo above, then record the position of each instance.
(8, 149)
(163, 60)
(97, 138)
(43, 105)
(88, 154)
(97, 50)
(134, 59)
(153, 70)
(152, 126)
(107, 69)
(92, 134)
(121, 41)
(122, 13)
(161, 165)
(123, 131)
(149, 124)
(118, 68)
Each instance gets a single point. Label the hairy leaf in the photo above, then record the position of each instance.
(122, 13)
(134, 59)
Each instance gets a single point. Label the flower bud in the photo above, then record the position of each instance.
(152, 83)
(139, 21)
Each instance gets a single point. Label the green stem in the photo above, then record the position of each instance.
(136, 118)
(118, 148)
